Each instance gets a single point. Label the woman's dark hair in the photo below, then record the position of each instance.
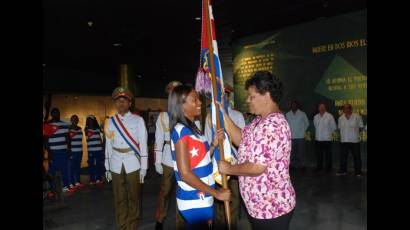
(55, 112)
(92, 123)
(71, 119)
(175, 111)
(73, 116)
(264, 82)
(322, 103)
(294, 102)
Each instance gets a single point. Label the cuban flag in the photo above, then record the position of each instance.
(194, 205)
(203, 84)
(49, 129)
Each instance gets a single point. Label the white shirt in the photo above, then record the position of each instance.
(235, 116)
(162, 135)
(298, 123)
(349, 128)
(113, 159)
(325, 125)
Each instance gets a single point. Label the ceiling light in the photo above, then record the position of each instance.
(117, 44)
(198, 18)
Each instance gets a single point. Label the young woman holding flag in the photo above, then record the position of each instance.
(192, 161)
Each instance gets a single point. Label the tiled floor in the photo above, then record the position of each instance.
(324, 202)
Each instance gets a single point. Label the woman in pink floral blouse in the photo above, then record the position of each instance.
(264, 153)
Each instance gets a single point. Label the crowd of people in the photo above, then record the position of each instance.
(349, 125)
(64, 144)
(266, 146)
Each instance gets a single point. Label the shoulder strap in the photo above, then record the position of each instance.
(164, 127)
(134, 145)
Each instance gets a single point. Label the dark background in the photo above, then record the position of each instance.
(160, 40)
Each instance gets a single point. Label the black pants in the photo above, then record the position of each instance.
(324, 148)
(279, 223)
(354, 148)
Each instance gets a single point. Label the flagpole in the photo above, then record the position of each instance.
(218, 123)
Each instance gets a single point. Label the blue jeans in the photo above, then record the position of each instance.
(96, 165)
(76, 166)
(58, 160)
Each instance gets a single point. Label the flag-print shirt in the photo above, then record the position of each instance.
(76, 138)
(189, 198)
(93, 137)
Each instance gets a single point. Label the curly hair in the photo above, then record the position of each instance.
(265, 81)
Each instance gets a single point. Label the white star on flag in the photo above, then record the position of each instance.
(194, 152)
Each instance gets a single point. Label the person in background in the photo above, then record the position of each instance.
(350, 125)
(76, 142)
(151, 130)
(95, 150)
(325, 125)
(103, 125)
(58, 147)
(298, 123)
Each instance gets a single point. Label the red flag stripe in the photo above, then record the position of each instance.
(213, 31)
(204, 43)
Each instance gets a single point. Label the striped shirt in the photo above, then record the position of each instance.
(93, 139)
(191, 201)
(58, 140)
(76, 138)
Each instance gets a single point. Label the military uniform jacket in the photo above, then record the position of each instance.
(114, 159)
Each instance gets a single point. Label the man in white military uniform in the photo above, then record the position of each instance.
(126, 159)
(233, 183)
